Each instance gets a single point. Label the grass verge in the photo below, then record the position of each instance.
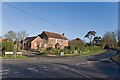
(13, 57)
(87, 53)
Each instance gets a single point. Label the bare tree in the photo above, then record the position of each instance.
(22, 35)
(11, 35)
(109, 39)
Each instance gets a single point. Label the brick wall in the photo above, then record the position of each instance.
(53, 41)
(37, 42)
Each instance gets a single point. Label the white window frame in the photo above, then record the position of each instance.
(40, 45)
(35, 44)
(56, 40)
(45, 45)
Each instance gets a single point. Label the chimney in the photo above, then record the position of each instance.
(63, 34)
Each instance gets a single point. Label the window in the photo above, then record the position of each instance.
(45, 45)
(40, 45)
(51, 41)
(60, 45)
(56, 40)
(61, 40)
(35, 44)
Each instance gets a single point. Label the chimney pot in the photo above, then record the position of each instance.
(63, 34)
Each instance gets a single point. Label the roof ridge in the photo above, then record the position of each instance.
(51, 34)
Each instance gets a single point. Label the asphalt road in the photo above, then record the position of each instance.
(87, 67)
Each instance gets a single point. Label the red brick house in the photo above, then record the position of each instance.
(32, 42)
(1, 39)
(46, 40)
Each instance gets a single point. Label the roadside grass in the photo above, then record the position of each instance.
(87, 53)
(12, 57)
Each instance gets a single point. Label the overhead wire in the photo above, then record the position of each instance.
(60, 26)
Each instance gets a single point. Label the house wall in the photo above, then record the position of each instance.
(65, 43)
(52, 42)
(47, 42)
(1, 39)
(36, 43)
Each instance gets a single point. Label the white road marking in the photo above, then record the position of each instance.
(64, 66)
(31, 68)
(6, 70)
(46, 69)
(87, 77)
(36, 70)
(72, 69)
(83, 63)
(89, 62)
(56, 68)
(16, 72)
(5, 73)
(77, 63)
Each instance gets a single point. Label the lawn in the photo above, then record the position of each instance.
(87, 53)
(12, 57)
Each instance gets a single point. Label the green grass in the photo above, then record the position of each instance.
(92, 52)
(13, 57)
(86, 53)
(71, 55)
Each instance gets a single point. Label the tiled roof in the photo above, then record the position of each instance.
(55, 35)
(30, 39)
(4, 39)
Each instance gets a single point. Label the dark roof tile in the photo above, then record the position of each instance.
(30, 39)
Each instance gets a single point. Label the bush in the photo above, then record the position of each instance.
(54, 51)
(95, 48)
(68, 51)
(8, 46)
(43, 53)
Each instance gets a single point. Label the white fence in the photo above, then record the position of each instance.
(8, 52)
(19, 53)
(12, 53)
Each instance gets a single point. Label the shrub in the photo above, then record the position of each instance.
(95, 48)
(8, 45)
(54, 51)
(43, 53)
(41, 50)
(68, 51)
